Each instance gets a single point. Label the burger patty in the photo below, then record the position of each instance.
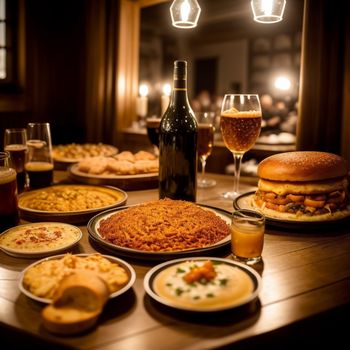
(314, 204)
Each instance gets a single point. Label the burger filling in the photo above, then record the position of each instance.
(307, 204)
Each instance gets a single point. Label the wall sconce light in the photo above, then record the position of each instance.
(185, 13)
(268, 11)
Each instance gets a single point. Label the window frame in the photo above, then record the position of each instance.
(13, 82)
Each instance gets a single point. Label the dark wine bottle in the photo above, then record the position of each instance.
(178, 143)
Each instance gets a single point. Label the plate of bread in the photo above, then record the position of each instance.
(126, 170)
(75, 288)
(65, 155)
(41, 280)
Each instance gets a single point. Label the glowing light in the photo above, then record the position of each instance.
(167, 89)
(266, 7)
(143, 90)
(185, 13)
(268, 11)
(283, 83)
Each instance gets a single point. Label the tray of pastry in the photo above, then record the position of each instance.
(126, 170)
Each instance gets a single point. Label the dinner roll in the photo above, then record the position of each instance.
(77, 304)
(68, 320)
(82, 289)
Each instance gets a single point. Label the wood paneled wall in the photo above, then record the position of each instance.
(324, 112)
(70, 70)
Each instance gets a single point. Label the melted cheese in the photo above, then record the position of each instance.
(283, 188)
(39, 237)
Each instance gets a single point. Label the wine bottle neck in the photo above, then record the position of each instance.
(179, 95)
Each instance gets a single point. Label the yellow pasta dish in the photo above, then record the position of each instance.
(70, 198)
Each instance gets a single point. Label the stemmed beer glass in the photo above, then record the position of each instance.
(240, 125)
(206, 131)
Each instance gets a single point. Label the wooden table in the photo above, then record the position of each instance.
(305, 295)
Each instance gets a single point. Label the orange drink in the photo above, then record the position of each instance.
(247, 232)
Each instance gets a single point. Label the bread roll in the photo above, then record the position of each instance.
(77, 304)
(68, 320)
(83, 290)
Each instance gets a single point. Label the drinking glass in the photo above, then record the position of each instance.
(39, 164)
(8, 193)
(15, 142)
(152, 125)
(206, 131)
(240, 125)
(247, 232)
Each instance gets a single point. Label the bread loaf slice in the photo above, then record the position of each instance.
(84, 290)
(68, 320)
(77, 304)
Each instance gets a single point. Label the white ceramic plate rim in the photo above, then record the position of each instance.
(42, 252)
(156, 269)
(124, 264)
(77, 212)
(131, 250)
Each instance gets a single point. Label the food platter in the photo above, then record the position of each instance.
(93, 225)
(37, 240)
(151, 284)
(125, 182)
(244, 201)
(127, 267)
(116, 196)
(65, 155)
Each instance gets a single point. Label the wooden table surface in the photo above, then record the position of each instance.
(305, 294)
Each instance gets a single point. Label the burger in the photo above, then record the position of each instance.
(303, 186)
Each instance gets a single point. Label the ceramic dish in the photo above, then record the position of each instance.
(127, 267)
(244, 201)
(39, 239)
(235, 284)
(116, 197)
(94, 222)
(126, 182)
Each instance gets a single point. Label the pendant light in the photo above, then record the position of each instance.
(268, 11)
(185, 13)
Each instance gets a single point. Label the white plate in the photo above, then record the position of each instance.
(45, 250)
(94, 224)
(250, 272)
(128, 268)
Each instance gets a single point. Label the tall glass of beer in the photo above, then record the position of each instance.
(240, 125)
(39, 166)
(9, 216)
(15, 142)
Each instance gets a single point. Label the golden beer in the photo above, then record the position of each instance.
(240, 129)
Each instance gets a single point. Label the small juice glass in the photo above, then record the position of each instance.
(247, 232)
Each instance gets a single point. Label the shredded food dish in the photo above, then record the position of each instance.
(164, 225)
